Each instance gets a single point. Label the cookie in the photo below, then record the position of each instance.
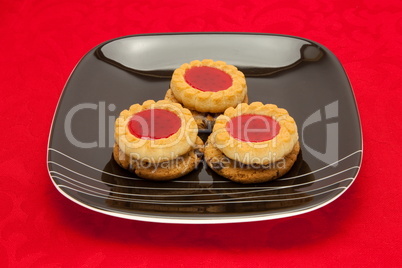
(253, 143)
(157, 140)
(157, 131)
(255, 133)
(208, 86)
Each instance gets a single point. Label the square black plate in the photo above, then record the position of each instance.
(294, 73)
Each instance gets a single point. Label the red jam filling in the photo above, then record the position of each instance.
(154, 124)
(253, 128)
(206, 78)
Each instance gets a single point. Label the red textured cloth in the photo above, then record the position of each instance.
(43, 40)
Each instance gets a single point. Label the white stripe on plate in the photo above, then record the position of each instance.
(181, 181)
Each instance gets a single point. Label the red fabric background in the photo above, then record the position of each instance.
(43, 40)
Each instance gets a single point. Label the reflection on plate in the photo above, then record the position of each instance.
(294, 73)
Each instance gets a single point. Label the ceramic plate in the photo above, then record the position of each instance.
(294, 73)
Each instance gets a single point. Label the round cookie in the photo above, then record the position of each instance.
(253, 143)
(157, 140)
(158, 131)
(255, 133)
(241, 173)
(208, 86)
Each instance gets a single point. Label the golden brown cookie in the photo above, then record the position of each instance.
(255, 133)
(208, 86)
(166, 130)
(253, 143)
(157, 140)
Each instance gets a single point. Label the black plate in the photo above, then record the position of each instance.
(296, 74)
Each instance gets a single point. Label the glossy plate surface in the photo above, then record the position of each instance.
(296, 74)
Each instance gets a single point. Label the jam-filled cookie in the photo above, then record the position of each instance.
(253, 143)
(207, 88)
(157, 140)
